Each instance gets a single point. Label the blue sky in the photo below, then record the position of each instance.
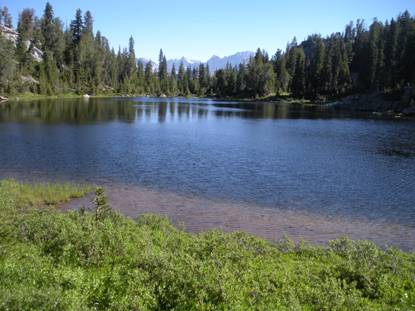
(200, 29)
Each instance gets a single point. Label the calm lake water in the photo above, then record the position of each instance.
(287, 159)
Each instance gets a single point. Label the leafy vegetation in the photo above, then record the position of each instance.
(80, 60)
(98, 260)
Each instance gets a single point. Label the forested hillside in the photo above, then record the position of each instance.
(78, 59)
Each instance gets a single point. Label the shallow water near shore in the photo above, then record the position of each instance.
(268, 169)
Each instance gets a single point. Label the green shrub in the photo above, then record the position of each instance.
(53, 260)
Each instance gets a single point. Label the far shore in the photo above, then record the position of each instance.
(380, 105)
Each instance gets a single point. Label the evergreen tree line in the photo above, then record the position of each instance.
(380, 57)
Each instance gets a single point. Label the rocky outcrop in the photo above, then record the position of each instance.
(3, 99)
(410, 111)
(402, 103)
(9, 33)
(36, 53)
(13, 35)
(29, 80)
(408, 96)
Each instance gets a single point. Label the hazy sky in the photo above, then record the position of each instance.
(200, 29)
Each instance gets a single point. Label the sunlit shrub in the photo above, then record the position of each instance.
(74, 260)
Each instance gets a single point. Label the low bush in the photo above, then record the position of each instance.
(80, 260)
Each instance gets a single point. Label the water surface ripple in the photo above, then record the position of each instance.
(275, 159)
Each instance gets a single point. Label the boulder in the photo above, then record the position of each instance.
(408, 95)
(409, 111)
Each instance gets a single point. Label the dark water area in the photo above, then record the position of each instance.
(282, 158)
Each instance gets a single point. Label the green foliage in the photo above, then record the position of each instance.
(23, 51)
(5, 17)
(40, 194)
(7, 65)
(102, 208)
(68, 261)
(380, 57)
(298, 81)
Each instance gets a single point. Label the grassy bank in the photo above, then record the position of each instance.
(33, 96)
(78, 260)
(271, 99)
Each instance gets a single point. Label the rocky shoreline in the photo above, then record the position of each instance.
(379, 104)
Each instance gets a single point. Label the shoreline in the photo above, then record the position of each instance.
(100, 258)
(374, 104)
(197, 214)
(28, 97)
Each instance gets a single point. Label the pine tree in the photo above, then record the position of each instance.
(406, 48)
(391, 61)
(359, 64)
(349, 39)
(162, 73)
(315, 71)
(381, 58)
(173, 82)
(373, 55)
(204, 82)
(6, 18)
(221, 83)
(327, 71)
(241, 80)
(140, 78)
(7, 65)
(87, 63)
(24, 45)
(189, 80)
(282, 75)
(291, 52)
(76, 29)
(298, 83)
(114, 70)
(102, 208)
(149, 80)
(52, 37)
(99, 56)
(182, 82)
(88, 24)
(269, 79)
(128, 69)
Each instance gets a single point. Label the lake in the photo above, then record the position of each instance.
(270, 169)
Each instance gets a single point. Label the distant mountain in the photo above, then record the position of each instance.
(186, 62)
(146, 60)
(216, 62)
